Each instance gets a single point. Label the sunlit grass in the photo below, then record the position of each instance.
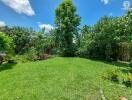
(59, 79)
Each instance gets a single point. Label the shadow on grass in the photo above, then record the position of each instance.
(126, 71)
(114, 63)
(118, 64)
(124, 67)
(4, 67)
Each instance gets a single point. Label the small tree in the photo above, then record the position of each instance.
(67, 22)
(44, 43)
(22, 38)
(6, 45)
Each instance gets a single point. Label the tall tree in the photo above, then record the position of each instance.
(67, 22)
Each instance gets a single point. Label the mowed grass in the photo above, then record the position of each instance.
(59, 79)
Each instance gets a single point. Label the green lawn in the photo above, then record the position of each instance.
(59, 79)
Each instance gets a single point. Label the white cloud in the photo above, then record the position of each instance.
(105, 1)
(2, 24)
(47, 27)
(126, 5)
(20, 6)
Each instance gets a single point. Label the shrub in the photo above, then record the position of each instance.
(117, 76)
(12, 61)
(6, 47)
(82, 53)
(112, 75)
(128, 80)
(31, 55)
(130, 63)
(20, 58)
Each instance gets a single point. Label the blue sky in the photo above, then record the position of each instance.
(40, 13)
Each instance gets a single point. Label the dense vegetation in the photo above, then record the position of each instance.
(6, 46)
(109, 39)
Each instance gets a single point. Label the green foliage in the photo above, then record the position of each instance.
(6, 43)
(5, 30)
(109, 39)
(44, 44)
(67, 22)
(20, 58)
(116, 75)
(112, 75)
(104, 43)
(30, 43)
(31, 55)
(23, 39)
(39, 43)
(85, 40)
(6, 47)
(130, 63)
(128, 80)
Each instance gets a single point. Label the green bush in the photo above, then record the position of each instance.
(117, 76)
(128, 80)
(31, 55)
(130, 63)
(20, 58)
(112, 75)
(6, 47)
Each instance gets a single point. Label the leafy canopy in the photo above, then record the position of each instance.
(67, 22)
(6, 43)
